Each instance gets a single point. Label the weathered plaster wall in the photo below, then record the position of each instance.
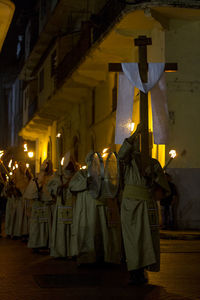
(182, 46)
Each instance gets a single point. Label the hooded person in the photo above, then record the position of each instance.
(42, 208)
(90, 222)
(15, 223)
(63, 242)
(139, 212)
(21, 181)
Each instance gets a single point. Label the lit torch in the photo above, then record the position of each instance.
(173, 154)
(1, 161)
(105, 152)
(10, 164)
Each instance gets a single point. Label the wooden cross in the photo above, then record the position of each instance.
(142, 42)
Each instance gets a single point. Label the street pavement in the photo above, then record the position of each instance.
(28, 276)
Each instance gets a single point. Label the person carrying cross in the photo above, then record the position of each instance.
(139, 213)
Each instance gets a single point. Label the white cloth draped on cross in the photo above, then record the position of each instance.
(129, 79)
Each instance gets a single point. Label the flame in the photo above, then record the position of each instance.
(16, 166)
(132, 126)
(105, 154)
(83, 167)
(172, 153)
(10, 163)
(11, 173)
(1, 153)
(105, 150)
(62, 161)
(27, 165)
(58, 135)
(30, 154)
(25, 148)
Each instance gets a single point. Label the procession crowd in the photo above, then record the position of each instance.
(57, 212)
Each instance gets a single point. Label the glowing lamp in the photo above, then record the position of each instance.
(11, 173)
(58, 135)
(27, 165)
(83, 167)
(25, 148)
(16, 166)
(30, 154)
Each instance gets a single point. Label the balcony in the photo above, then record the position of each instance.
(92, 31)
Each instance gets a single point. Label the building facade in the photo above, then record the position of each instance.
(68, 87)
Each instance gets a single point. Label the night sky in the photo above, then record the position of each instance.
(8, 61)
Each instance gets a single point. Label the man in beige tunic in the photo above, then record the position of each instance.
(139, 213)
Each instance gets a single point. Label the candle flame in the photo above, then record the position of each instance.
(1, 153)
(105, 150)
(172, 153)
(11, 173)
(83, 167)
(30, 154)
(27, 165)
(58, 135)
(16, 166)
(132, 126)
(25, 148)
(62, 161)
(10, 163)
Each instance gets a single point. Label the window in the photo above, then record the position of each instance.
(41, 80)
(53, 63)
(114, 93)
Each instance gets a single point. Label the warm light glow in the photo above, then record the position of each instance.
(13, 168)
(105, 150)
(104, 155)
(172, 153)
(11, 173)
(7, 177)
(83, 167)
(1, 153)
(27, 165)
(58, 135)
(30, 154)
(25, 148)
(132, 126)
(62, 161)
(16, 166)
(10, 163)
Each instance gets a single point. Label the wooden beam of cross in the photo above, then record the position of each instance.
(142, 42)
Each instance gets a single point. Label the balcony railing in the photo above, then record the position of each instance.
(91, 31)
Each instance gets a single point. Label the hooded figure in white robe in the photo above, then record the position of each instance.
(42, 208)
(63, 242)
(16, 222)
(139, 212)
(95, 240)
